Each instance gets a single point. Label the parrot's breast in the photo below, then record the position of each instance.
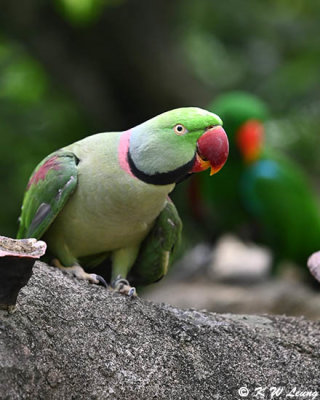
(110, 208)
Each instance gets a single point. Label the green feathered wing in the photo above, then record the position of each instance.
(279, 197)
(158, 247)
(49, 188)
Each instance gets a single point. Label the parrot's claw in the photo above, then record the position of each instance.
(132, 292)
(123, 286)
(79, 273)
(101, 280)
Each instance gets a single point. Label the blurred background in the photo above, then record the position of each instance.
(70, 68)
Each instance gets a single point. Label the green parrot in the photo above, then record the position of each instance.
(218, 204)
(106, 196)
(262, 188)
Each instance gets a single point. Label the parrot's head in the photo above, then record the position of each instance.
(243, 115)
(166, 148)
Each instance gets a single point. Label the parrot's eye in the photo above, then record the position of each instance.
(179, 129)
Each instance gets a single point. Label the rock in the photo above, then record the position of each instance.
(72, 340)
(234, 260)
(274, 296)
(230, 259)
(195, 261)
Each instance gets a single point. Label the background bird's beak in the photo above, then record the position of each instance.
(250, 140)
(212, 150)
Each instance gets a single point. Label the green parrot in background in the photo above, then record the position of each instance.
(261, 189)
(106, 196)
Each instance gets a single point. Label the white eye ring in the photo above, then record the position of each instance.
(179, 129)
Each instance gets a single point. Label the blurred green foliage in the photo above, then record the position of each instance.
(269, 48)
(83, 12)
(35, 119)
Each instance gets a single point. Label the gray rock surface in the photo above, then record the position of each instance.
(72, 340)
(272, 296)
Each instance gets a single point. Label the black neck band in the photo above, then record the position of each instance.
(161, 178)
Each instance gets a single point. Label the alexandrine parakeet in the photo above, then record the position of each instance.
(262, 188)
(106, 196)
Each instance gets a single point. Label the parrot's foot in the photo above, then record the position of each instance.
(122, 286)
(79, 273)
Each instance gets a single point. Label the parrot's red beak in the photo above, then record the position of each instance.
(212, 150)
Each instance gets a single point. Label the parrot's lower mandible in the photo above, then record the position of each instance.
(106, 196)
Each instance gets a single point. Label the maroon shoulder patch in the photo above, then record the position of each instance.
(41, 173)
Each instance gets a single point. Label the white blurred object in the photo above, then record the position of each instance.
(236, 260)
(314, 265)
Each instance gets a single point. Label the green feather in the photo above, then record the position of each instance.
(157, 250)
(279, 197)
(49, 188)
